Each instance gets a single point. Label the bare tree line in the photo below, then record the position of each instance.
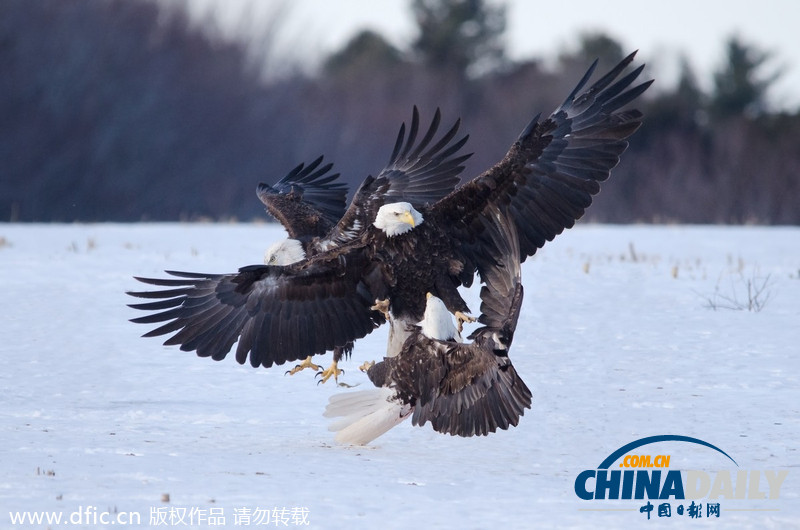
(121, 110)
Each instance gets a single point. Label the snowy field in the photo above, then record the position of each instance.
(616, 340)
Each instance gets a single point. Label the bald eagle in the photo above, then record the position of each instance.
(463, 389)
(310, 202)
(284, 313)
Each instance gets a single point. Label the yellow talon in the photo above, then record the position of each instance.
(366, 366)
(382, 306)
(461, 318)
(331, 371)
(303, 365)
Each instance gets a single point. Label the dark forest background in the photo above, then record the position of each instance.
(124, 110)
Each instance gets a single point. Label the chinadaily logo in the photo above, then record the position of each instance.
(644, 473)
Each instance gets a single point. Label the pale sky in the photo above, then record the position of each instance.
(660, 30)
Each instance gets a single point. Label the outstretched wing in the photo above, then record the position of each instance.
(548, 177)
(419, 172)
(308, 201)
(277, 314)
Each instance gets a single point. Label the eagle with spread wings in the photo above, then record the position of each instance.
(407, 232)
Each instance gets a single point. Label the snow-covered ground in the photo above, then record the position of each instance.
(616, 341)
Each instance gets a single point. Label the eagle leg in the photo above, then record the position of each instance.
(303, 365)
(331, 371)
(461, 318)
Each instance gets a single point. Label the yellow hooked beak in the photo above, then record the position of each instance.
(408, 218)
(428, 296)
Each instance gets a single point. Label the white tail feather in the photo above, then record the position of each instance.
(364, 415)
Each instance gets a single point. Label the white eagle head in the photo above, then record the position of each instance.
(397, 218)
(284, 252)
(438, 322)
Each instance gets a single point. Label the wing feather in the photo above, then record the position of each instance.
(277, 314)
(467, 391)
(550, 174)
(418, 173)
(308, 201)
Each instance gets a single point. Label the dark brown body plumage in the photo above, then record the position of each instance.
(426, 258)
(467, 389)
